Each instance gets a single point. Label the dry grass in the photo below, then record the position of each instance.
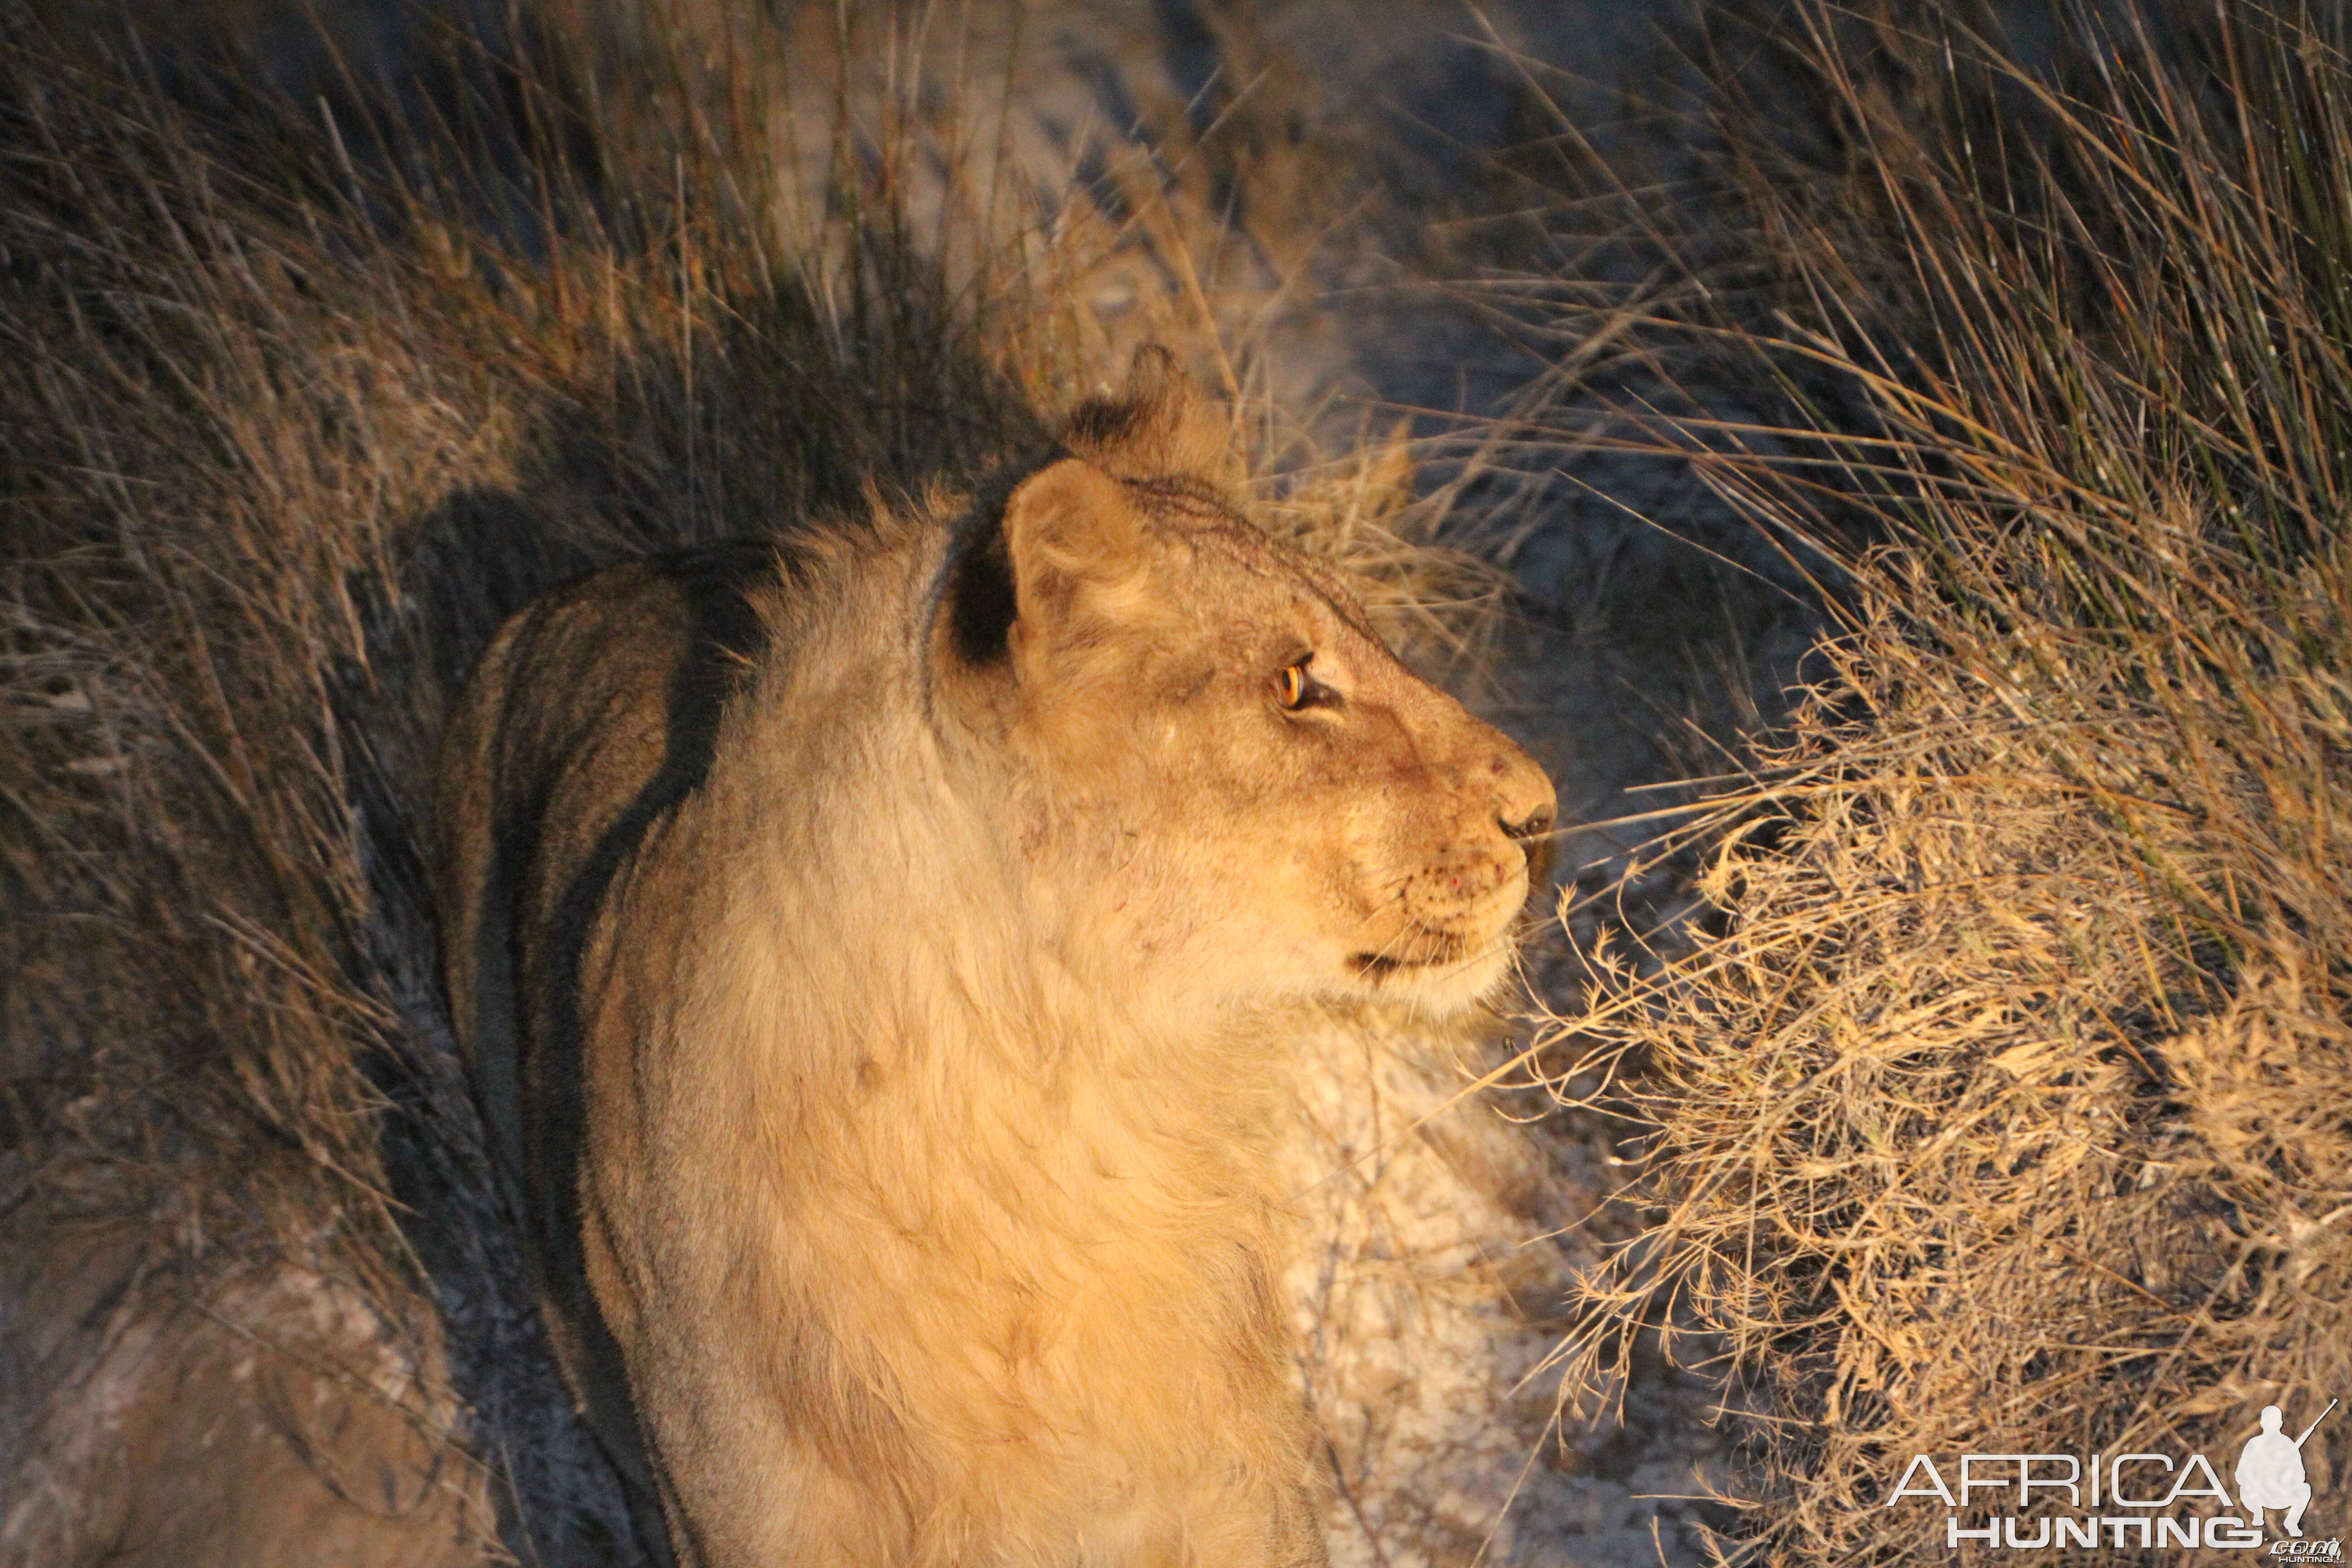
(2010, 1115)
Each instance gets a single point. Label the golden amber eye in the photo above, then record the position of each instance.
(1290, 686)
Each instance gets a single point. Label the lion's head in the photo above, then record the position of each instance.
(1226, 783)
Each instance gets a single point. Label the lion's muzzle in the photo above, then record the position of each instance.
(1462, 898)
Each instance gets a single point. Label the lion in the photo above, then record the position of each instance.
(865, 946)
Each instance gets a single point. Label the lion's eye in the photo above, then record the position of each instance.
(1291, 688)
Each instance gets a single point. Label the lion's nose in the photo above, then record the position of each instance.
(1525, 807)
(1537, 821)
(1525, 804)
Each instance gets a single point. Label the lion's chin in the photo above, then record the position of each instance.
(1450, 975)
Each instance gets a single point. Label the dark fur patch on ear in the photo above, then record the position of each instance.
(980, 603)
(976, 590)
(1106, 424)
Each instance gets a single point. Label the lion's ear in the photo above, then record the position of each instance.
(1074, 542)
(1158, 427)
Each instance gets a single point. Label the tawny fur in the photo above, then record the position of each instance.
(867, 950)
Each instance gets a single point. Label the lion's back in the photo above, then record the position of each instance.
(594, 709)
(558, 725)
(592, 714)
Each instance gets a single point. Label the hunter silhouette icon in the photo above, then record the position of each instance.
(2269, 1470)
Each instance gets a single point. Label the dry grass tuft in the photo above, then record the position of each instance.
(2011, 1113)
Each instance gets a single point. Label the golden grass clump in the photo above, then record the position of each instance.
(2012, 1114)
